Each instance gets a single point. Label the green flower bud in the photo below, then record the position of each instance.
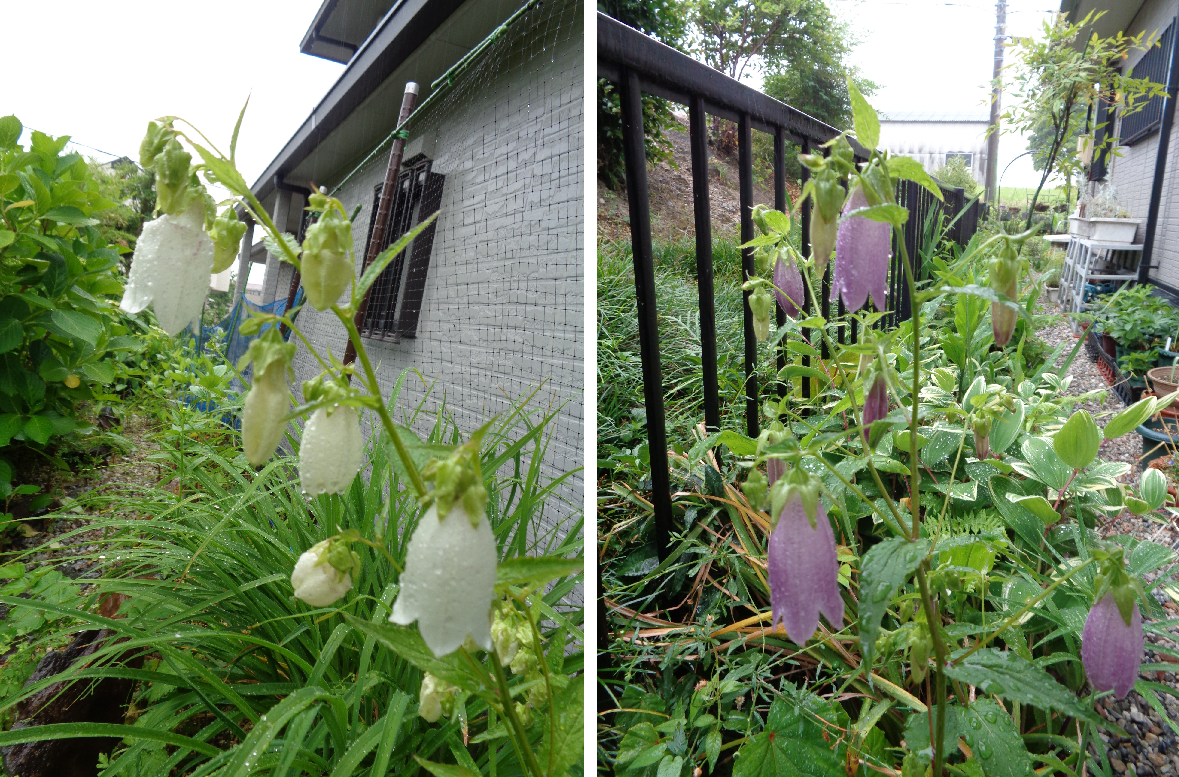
(459, 478)
(327, 269)
(436, 698)
(154, 140)
(755, 488)
(226, 233)
(761, 302)
(175, 185)
(759, 218)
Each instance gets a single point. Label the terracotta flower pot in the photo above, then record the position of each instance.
(1162, 382)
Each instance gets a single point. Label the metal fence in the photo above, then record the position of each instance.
(639, 64)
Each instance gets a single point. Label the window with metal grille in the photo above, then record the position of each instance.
(395, 299)
(1153, 65)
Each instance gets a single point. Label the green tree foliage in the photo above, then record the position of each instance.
(663, 20)
(131, 190)
(60, 280)
(1057, 81)
(955, 172)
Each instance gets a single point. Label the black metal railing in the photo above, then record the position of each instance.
(639, 64)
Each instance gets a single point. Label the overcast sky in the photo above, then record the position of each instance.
(939, 55)
(99, 71)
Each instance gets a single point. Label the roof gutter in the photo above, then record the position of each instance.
(404, 28)
(1160, 164)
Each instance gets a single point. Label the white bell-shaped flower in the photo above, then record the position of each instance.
(332, 451)
(449, 580)
(170, 269)
(316, 581)
(266, 404)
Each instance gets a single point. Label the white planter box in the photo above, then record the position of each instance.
(1053, 294)
(1078, 227)
(1113, 230)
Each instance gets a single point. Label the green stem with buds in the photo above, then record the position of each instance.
(505, 695)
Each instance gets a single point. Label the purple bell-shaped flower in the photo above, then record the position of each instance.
(875, 401)
(788, 279)
(1110, 650)
(862, 251)
(804, 572)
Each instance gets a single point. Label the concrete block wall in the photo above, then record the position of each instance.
(502, 311)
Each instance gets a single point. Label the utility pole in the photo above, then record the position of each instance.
(996, 99)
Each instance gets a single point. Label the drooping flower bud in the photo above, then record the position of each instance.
(176, 186)
(436, 698)
(449, 581)
(761, 302)
(326, 267)
(759, 218)
(1004, 269)
(323, 574)
(755, 486)
(226, 233)
(862, 252)
(1111, 646)
(981, 426)
(512, 636)
(268, 400)
(332, 451)
(875, 400)
(788, 284)
(170, 269)
(827, 202)
(803, 569)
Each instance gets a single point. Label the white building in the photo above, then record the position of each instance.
(934, 137)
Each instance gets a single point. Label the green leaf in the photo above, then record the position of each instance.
(1025, 524)
(989, 294)
(912, 170)
(1078, 440)
(373, 271)
(10, 130)
(887, 565)
(1004, 673)
(10, 424)
(560, 750)
(444, 770)
(68, 214)
(72, 325)
(986, 728)
(55, 731)
(762, 240)
(864, 118)
(1006, 428)
(6, 237)
(792, 745)
(408, 643)
(420, 453)
(99, 372)
(12, 334)
(38, 429)
(273, 248)
(52, 370)
(1153, 488)
(1045, 463)
(791, 371)
(738, 443)
(536, 571)
(1130, 419)
(778, 221)
(1039, 507)
(236, 129)
(224, 171)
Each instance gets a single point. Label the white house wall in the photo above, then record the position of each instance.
(929, 141)
(1131, 169)
(502, 310)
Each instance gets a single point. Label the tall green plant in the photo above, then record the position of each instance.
(59, 274)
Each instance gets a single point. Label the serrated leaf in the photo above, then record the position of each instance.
(887, 565)
(563, 747)
(1006, 674)
(986, 728)
(273, 248)
(738, 443)
(791, 745)
(374, 270)
(912, 170)
(864, 118)
(989, 294)
(72, 325)
(38, 429)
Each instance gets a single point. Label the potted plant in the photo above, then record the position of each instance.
(1052, 284)
(1108, 221)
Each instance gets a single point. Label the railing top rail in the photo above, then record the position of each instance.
(675, 76)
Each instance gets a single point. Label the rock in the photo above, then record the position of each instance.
(1150, 738)
(82, 701)
(1117, 764)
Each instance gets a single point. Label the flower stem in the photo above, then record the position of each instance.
(510, 713)
(390, 429)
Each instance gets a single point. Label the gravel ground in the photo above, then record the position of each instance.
(1152, 747)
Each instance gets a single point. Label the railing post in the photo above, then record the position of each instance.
(635, 154)
(780, 204)
(698, 131)
(745, 169)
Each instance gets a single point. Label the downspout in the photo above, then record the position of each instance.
(1160, 164)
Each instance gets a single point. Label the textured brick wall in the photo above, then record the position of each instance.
(503, 305)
